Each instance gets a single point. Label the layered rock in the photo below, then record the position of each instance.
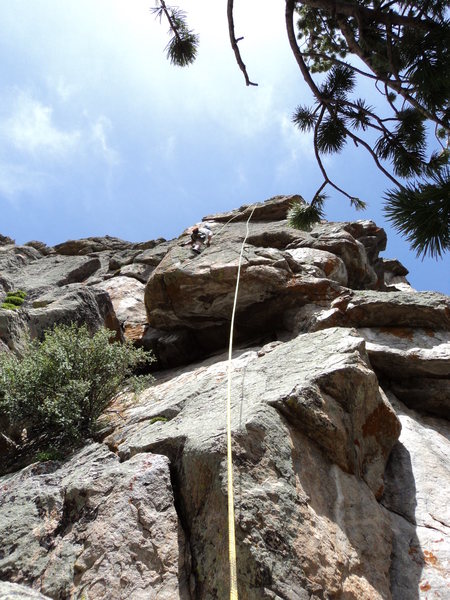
(98, 281)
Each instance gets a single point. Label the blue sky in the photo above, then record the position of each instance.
(99, 134)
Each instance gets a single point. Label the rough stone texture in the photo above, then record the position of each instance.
(317, 263)
(429, 310)
(353, 308)
(14, 591)
(286, 274)
(395, 275)
(324, 423)
(416, 363)
(49, 277)
(70, 304)
(171, 348)
(56, 271)
(196, 292)
(416, 495)
(127, 297)
(92, 244)
(332, 237)
(138, 271)
(94, 526)
(405, 352)
(273, 209)
(12, 260)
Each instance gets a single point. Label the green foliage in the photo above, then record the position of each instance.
(8, 306)
(422, 213)
(403, 49)
(158, 419)
(331, 135)
(305, 118)
(16, 300)
(183, 45)
(49, 454)
(303, 216)
(61, 385)
(13, 300)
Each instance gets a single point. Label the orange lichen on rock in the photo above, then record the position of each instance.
(381, 423)
(425, 587)
(430, 558)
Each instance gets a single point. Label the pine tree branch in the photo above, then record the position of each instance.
(359, 140)
(336, 61)
(387, 96)
(368, 15)
(356, 49)
(382, 127)
(324, 102)
(289, 20)
(172, 25)
(327, 180)
(234, 43)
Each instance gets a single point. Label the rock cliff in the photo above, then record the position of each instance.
(340, 408)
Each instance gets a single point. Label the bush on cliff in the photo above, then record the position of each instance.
(61, 385)
(13, 300)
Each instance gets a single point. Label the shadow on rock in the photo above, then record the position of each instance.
(400, 500)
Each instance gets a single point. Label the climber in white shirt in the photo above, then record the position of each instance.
(199, 236)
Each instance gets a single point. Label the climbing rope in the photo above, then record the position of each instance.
(231, 525)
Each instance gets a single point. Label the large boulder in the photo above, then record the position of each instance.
(65, 305)
(127, 297)
(71, 283)
(311, 434)
(399, 311)
(283, 271)
(94, 528)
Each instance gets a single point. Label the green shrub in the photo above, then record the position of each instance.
(20, 293)
(17, 300)
(8, 306)
(14, 300)
(62, 384)
(49, 454)
(158, 419)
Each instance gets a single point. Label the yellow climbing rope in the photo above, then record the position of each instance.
(231, 526)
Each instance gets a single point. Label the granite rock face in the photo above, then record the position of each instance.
(340, 399)
(95, 527)
(98, 281)
(417, 485)
(15, 591)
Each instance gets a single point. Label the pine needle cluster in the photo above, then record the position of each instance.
(183, 44)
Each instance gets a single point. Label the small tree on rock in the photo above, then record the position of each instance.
(61, 385)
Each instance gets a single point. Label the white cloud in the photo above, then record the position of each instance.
(99, 131)
(17, 179)
(298, 147)
(31, 129)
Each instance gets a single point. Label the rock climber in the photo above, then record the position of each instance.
(199, 236)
